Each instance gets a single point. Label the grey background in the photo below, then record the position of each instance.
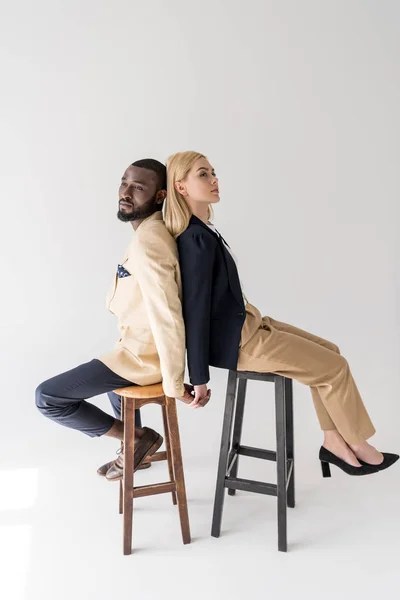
(296, 106)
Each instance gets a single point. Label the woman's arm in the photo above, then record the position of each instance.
(196, 257)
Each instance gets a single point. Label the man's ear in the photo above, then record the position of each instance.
(160, 197)
(180, 187)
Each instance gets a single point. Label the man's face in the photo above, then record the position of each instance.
(139, 196)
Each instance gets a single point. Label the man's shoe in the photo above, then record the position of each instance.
(147, 445)
(104, 468)
(102, 471)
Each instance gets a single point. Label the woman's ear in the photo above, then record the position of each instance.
(180, 187)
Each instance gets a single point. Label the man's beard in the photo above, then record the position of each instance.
(141, 212)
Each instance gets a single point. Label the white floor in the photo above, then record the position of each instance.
(61, 534)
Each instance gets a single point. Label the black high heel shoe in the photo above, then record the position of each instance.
(388, 461)
(326, 457)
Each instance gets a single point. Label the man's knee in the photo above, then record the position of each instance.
(42, 399)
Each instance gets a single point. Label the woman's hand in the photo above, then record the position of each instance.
(201, 396)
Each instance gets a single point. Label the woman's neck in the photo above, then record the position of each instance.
(199, 209)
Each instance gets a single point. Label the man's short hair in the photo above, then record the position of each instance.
(154, 165)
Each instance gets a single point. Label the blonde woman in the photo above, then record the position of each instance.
(224, 330)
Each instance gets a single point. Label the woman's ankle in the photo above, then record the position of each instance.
(334, 442)
(332, 436)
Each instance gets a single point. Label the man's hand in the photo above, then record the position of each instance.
(188, 396)
(196, 396)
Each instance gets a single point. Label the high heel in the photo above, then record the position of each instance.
(326, 470)
(326, 457)
(388, 460)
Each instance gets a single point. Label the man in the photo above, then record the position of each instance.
(145, 297)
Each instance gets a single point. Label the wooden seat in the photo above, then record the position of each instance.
(134, 397)
(141, 391)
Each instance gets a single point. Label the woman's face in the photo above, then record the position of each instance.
(201, 183)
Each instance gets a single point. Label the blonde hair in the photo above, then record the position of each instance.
(177, 211)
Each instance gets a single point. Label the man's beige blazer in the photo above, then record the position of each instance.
(147, 303)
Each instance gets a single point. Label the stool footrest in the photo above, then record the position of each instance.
(156, 488)
(248, 485)
(257, 453)
(156, 457)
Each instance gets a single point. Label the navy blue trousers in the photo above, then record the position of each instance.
(63, 398)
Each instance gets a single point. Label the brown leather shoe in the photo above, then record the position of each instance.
(146, 446)
(104, 468)
(102, 471)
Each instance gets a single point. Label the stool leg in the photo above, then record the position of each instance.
(168, 450)
(280, 415)
(290, 439)
(121, 498)
(129, 443)
(121, 489)
(173, 428)
(223, 454)
(237, 427)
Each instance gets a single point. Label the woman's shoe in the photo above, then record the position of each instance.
(388, 461)
(326, 457)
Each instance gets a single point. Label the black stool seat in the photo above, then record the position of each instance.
(231, 449)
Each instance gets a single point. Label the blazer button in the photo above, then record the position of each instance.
(240, 314)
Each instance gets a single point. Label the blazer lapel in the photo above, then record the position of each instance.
(197, 221)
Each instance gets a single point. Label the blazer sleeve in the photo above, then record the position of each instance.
(197, 253)
(156, 266)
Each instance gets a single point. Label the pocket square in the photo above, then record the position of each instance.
(122, 272)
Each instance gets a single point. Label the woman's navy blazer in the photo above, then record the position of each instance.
(212, 301)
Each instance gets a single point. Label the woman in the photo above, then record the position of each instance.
(224, 330)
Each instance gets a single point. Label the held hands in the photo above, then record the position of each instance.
(196, 396)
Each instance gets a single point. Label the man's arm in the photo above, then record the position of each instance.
(155, 271)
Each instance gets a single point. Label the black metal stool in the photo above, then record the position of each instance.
(232, 449)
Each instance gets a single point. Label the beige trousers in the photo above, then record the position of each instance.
(269, 346)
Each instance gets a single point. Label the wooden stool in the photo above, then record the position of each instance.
(134, 397)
